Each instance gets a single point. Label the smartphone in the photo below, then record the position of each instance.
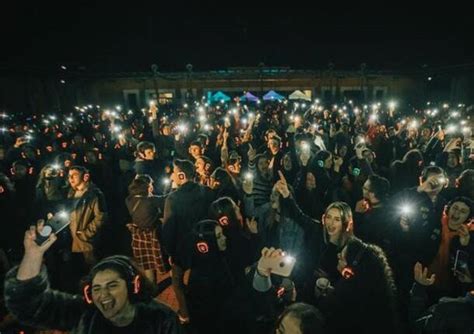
(281, 265)
(461, 261)
(54, 225)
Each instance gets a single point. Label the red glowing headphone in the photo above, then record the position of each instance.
(223, 221)
(204, 231)
(350, 271)
(112, 262)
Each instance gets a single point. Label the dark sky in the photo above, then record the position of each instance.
(113, 37)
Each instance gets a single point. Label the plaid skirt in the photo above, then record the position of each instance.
(146, 249)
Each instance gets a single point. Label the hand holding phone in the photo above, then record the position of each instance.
(275, 261)
(53, 225)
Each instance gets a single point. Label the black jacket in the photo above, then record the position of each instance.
(184, 208)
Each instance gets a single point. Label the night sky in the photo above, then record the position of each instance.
(115, 37)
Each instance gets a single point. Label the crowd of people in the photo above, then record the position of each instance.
(168, 219)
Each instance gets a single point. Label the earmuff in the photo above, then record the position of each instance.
(223, 221)
(204, 230)
(356, 171)
(133, 279)
(350, 271)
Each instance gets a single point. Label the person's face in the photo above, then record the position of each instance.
(175, 176)
(341, 260)
(110, 294)
(149, 154)
(200, 166)
(91, 157)
(426, 133)
(458, 214)
(289, 325)
(150, 188)
(195, 151)
(333, 222)
(342, 151)
(369, 156)
(166, 130)
(274, 146)
(75, 179)
(221, 239)
(366, 190)
(452, 161)
(328, 162)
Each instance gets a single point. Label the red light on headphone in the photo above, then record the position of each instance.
(224, 221)
(87, 297)
(202, 247)
(280, 292)
(347, 273)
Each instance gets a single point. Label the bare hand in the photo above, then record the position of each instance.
(362, 206)
(251, 153)
(421, 275)
(282, 186)
(268, 253)
(29, 241)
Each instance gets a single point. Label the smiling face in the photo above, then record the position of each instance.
(458, 213)
(110, 294)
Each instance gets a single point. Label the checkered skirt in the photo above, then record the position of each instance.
(146, 249)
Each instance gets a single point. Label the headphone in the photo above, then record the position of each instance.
(133, 278)
(356, 171)
(223, 221)
(320, 163)
(349, 271)
(204, 231)
(181, 176)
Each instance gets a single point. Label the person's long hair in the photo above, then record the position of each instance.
(372, 283)
(223, 211)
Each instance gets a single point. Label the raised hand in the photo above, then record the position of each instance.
(421, 275)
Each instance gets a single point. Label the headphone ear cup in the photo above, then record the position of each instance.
(323, 219)
(136, 284)
(347, 272)
(320, 163)
(87, 294)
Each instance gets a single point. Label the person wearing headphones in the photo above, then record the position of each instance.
(117, 298)
(183, 209)
(364, 300)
